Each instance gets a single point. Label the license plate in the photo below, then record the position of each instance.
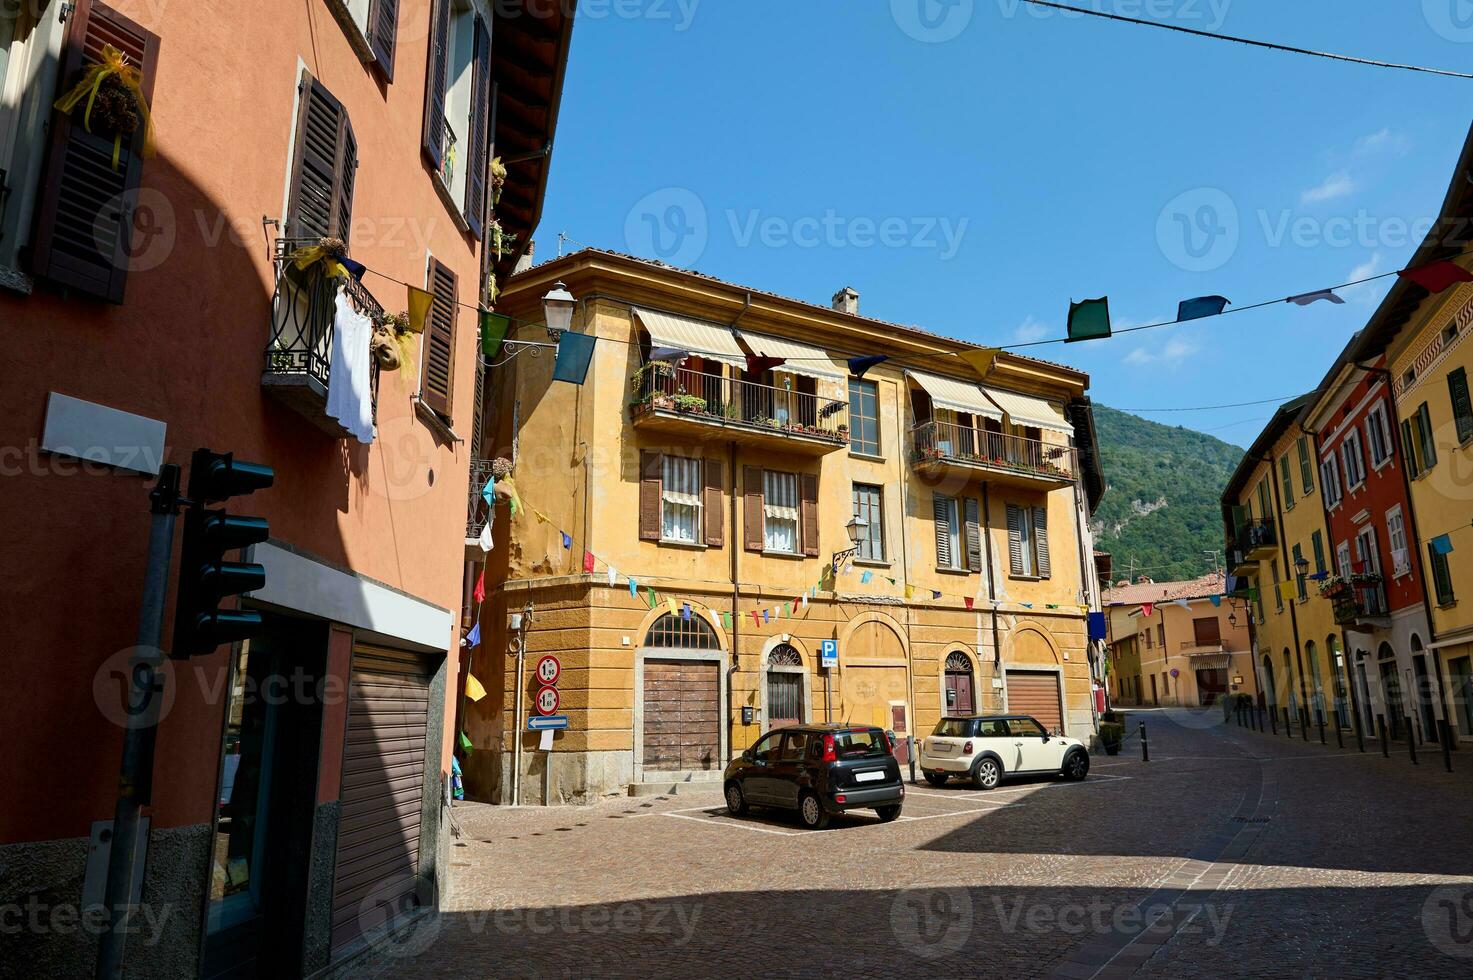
(941, 748)
(873, 776)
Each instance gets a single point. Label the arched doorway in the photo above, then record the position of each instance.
(1342, 686)
(1317, 689)
(875, 688)
(680, 697)
(785, 697)
(961, 698)
(1391, 689)
(1270, 692)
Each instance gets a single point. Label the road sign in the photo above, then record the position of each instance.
(547, 700)
(1175, 672)
(548, 669)
(829, 653)
(547, 723)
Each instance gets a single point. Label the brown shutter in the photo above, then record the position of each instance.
(941, 521)
(84, 217)
(754, 525)
(324, 163)
(383, 33)
(475, 172)
(1015, 541)
(974, 536)
(432, 138)
(711, 503)
(808, 512)
(438, 383)
(1040, 540)
(651, 489)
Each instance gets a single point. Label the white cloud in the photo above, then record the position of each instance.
(1030, 330)
(1170, 354)
(1384, 140)
(1367, 293)
(1336, 185)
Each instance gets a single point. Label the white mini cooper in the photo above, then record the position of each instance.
(986, 748)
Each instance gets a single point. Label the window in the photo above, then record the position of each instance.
(1025, 726)
(948, 532)
(1408, 378)
(1028, 551)
(864, 417)
(780, 510)
(456, 133)
(868, 743)
(1161, 635)
(1273, 569)
(1367, 557)
(794, 746)
(869, 511)
(680, 500)
(324, 166)
(1300, 578)
(675, 632)
(1330, 479)
(1355, 462)
(372, 28)
(1450, 333)
(1150, 641)
(1306, 465)
(1206, 631)
(1442, 580)
(1457, 386)
(1378, 435)
(1265, 510)
(1342, 559)
(1396, 535)
(767, 747)
(1287, 478)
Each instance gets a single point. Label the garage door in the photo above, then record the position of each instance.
(1036, 693)
(681, 704)
(382, 790)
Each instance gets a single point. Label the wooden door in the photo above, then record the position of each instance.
(959, 699)
(681, 704)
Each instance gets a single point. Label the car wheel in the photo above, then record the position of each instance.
(987, 774)
(888, 813)
(1076, 766)
(811, 812)
(936, 778)
(736, 800)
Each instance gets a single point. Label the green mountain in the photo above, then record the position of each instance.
(1161, 506)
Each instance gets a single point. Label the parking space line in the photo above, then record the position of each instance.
(731, 823)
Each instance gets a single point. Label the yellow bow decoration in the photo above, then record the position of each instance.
(304, 257)
(113, 62)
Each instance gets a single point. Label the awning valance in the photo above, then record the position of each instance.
(713, 341)
(811, 362)
(958, 396)
(1030, 410)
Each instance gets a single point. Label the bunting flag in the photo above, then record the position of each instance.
(419, 308)
(465, 742)
(1253, 593)
(935, 593)
(1089, 319)
(567, 539)
(685, 611)
(1147, 608)
(865, 578)
(1286, 590)
(574, 352)
(670, 605)
(910, 591)
(764, 616)
(541, 517)
(756, 363)
(588, 561)
(980, 360)
(1306, 299)
(1097, 626)
(1319, 576)
(968, 601)
(803, 601)
(633, 588)
(473, 688)
(473, 638)
(613, 576)
(1437, 276)
(1442, 545)
(480, 593)
(494, 327)
(1184, 604)
(485, 539)
(788, 609)
(488, 492)
(726, 620)
(1216, 600)
(653, 600)
(859, 365)
(756, 618)
(1026, 605)
(1196, 309)
(355, 269)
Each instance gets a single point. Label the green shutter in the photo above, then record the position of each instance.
(1298, 576)
(1441, 578)
(1457, 385)
(1306, 466)
(1409, 448)
(1318, 543)
(1287, 478)
(1429, 444)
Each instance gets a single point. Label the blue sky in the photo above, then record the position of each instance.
(971, 165)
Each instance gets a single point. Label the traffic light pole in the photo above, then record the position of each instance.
(145, 696)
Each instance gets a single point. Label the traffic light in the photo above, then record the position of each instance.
(205, 577)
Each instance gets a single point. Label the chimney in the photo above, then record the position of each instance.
(525, 262)
(846, 300)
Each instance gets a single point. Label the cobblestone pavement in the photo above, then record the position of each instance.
(1231, 853)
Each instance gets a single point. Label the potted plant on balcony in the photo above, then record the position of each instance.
(1334, 587)
(688, 403)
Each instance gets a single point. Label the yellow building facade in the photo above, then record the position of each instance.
(683, 508)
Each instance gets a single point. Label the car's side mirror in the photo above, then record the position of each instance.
(1044, 735)
(747, 755)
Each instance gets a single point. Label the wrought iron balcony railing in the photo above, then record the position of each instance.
(1256, 537)
(736, 402)
(949, 442)
(1362, 599)
(476, 510)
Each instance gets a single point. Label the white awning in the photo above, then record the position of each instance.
(800, 358)
(713, 341)
(1030, 410)
(959, 396)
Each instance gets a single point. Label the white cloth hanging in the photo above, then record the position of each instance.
(349, 393)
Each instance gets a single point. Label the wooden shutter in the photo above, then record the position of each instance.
(974, 537)
(941, 517)
(1429, 442)
(651, 492)
(478, 411)
(324, 163)
(84, 217)
(1317, 542)
(753, 522)
(711, 506)
(383, 34)
(1015, 540)
(1206, 631)
(1040, 540)
(475, 157)
(432, 139)
(808, 512)
(438, 384)
(1457, 386)
(1409, 448)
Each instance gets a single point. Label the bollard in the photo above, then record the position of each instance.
(1273, 721)
(1319, 716)
(1385, 742)
(1360, 735)
(1304, 723)
(1339, 732)
(1412, 745)
(1445, 733)
(910, 750)
(1145, 750)
(1288, 727)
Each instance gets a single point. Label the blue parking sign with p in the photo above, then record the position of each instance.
(829, 653)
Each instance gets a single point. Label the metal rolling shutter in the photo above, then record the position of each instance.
(681, 702)
(382, 788)
(1036, 693)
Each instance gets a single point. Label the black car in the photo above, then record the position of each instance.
(818, 770)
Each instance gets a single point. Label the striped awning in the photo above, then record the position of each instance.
(1030, 410)
(811, 362)
(958, 396)
(712, 341)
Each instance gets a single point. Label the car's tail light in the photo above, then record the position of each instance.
(829, 754)
(967, 749)
(840, 798)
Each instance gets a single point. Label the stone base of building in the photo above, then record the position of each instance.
(576, 778)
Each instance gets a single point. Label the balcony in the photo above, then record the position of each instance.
(1258, 540)
(699, 406)
(476, 510)
(1239, 563)
(298, 358)
(948, 448)
(1359, 601)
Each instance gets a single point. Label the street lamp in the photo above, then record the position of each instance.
(854, 528)
(1301, 565)
(557, 307)
(1233, 619)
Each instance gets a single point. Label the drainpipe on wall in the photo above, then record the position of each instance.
(998, 672)
(736, 619)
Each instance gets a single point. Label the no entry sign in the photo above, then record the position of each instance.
(548, 669)
(548, 701)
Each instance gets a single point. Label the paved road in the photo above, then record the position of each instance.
(1229, 854)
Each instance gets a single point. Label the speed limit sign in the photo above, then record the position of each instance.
(547, 701)
(548, 669)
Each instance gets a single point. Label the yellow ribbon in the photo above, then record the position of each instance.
(305, 256)
(113, 62)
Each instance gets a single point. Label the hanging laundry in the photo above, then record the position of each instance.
(480, 592)
(349, 394)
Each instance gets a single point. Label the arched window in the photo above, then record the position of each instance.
(677, 633)
(1270, 690)
(961, 698)
(783, 655)
(784, 686)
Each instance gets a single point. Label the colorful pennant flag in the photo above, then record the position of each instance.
(633, 588)
(574, 352)
(494, 327)
(1437, 276)
(588, 561)
(910, 591)
(980, 360)
(1201, 306)
(653, 601)
(488, 492)
(541, 517)
(1306, 299)
(1147, 608)
(970, 602)
(756, 618)
(865, 578)
(859, 365)
(1184, 604)
(355, 268)
(1287, 590)
(473, 688)
(419, 308)
(726, 620)
(1089, 319)
(1216, 600)
(756, 364)
(473, 638)
(764, 616)
(485, 539)
(465, 742)
(480, 593)
(685, 611)
(1097, 626)
(935, 593)
(1026, 605)
(788, 609)
(670, 605)
(1442, 545)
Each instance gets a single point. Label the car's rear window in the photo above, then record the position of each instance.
(953, 727)
(860, 745)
